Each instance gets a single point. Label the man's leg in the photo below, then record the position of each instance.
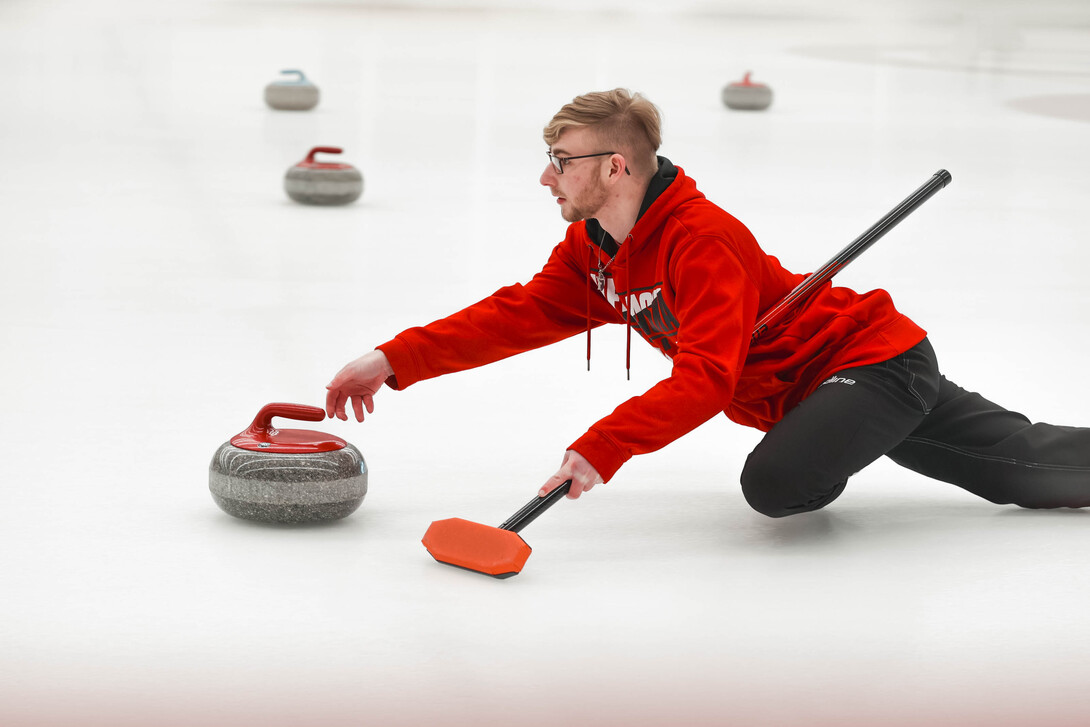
(998, 454)
(805, 461)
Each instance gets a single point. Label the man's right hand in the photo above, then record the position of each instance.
(357, 382)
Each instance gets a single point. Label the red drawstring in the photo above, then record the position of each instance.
(627, 317)
(588, 319)
(626, 302)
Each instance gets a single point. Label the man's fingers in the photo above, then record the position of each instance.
(357, 406)
(338, 407)
(551, 484)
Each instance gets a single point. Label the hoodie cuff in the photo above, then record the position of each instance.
(402, 361)
(603, 453)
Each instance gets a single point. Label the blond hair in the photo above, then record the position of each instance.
(625, 122)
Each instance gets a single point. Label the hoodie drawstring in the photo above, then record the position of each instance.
(588, 323)
(626, 302)
(627, 316)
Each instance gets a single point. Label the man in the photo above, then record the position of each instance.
(843, 380)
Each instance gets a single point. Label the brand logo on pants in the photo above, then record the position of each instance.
(838, 380)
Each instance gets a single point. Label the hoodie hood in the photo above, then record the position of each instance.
(608, 248)
(665, 175)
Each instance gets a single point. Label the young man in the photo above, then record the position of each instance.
(843, 380)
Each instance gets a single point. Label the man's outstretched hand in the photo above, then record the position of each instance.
(576, 468)
(357, 382)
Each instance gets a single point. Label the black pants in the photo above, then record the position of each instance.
(905, 409)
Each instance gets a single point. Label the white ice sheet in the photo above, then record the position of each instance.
(157, 287)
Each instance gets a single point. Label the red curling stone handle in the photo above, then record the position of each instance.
(262, 437)
(310, 160)
(263, 421)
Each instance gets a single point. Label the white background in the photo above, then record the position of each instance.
(157, 288)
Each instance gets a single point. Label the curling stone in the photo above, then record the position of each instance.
(324, 183)
(294, 94)
(746, 95)
(287, 475)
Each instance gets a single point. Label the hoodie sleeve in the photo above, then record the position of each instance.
(716, 304)
(552, 306)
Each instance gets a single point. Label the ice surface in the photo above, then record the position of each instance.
(157, 288)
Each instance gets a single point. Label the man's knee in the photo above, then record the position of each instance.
(777, 489)
(766, 488)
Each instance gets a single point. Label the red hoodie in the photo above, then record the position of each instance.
(693, 282)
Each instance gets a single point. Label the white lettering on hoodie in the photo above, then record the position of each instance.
(636, 302)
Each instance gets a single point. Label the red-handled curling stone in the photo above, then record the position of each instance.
(287, 475)
(323, 183)
(745, 95)
(295, 93)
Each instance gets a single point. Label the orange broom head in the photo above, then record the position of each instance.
(482, 548)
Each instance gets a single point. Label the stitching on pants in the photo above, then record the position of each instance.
(903, 361)
(1003, 460)
(912, 387)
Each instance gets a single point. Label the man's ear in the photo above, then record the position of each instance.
(618, 167)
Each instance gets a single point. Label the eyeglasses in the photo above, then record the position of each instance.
(558, 162)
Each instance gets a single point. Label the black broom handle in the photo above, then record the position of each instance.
(533, 508)
(815, 279)
(940, 179)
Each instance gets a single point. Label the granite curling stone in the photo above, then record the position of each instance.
(294, 94)
(323, 183)
(745, 95)
(287, 475)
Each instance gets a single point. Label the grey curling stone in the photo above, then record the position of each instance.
(323, 183)
(289, 475)
(747, 95)
(295, 94)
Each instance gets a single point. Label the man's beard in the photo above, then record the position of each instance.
(588, 205)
